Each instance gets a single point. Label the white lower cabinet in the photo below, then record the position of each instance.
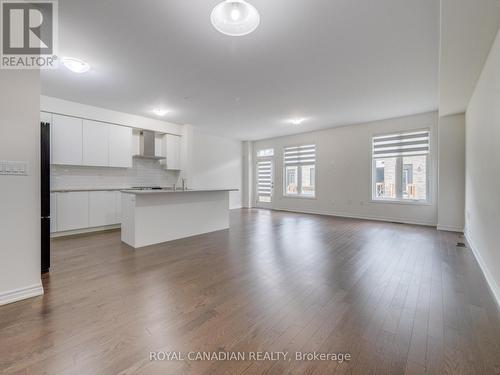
(53, 212)
(72, 211)
(82, 210)
(102, 208)
(118, 206)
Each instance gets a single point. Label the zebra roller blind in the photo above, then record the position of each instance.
(264, 179)
(401, 144)
(300, 155)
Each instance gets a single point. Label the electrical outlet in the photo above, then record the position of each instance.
(13, 168)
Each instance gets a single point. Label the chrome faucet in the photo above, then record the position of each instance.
(184, 184)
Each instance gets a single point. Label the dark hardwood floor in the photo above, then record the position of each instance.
(398, 298)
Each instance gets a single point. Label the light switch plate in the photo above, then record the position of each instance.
(13, 168)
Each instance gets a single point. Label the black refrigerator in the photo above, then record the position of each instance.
(45, 194)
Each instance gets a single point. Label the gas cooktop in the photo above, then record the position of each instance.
(147, 188)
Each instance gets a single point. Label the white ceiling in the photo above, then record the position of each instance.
(334, 62)
(468, 29)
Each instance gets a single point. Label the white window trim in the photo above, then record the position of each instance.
(401, 201)
(299, 173)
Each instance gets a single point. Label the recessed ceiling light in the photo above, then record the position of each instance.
(297, 120)
(235, 17)
(76, 65)
(160, 111)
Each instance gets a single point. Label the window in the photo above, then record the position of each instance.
(300, 171)
(265, 153)
(385, 178)
(291, 180)
(400, 166)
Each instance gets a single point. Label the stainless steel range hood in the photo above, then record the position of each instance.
(147, 146)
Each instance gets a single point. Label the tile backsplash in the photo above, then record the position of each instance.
(143, 173)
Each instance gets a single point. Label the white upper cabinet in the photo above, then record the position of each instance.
(120, 146)
(95, 143)
(160, 145)
(67, 134)
(136, 142)
(173, 152)
(77, 141)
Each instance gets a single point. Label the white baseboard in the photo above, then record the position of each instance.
(450, 228)
(387, 219)
(362, 217)
(20, 294)
(495, 290)
(85, 230)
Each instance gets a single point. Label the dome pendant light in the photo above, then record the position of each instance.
(235, 17)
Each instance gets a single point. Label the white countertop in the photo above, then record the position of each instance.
(169, 191)
(90, 189)
(126, 189)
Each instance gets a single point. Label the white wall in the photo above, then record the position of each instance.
(20, 196)
(483, 170)
(451, 190)
(468, 28)
(344, 172)
(215, 162)
(248, 170)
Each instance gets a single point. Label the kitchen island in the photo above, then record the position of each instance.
(154, 216)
